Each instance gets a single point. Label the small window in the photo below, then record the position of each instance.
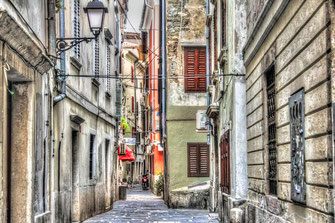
(96, 59)
(195, 69)
(91, 158)
(272, 128)
(198, 160)
(108, 68)
(76, 25)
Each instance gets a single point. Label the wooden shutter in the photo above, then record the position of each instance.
(215, 39)
(201, 81)
(190, 83)
(195, 69)
(198, 160)
(132, 104)
(223, 21)
(225, 163)
(132, 74)
(203, 160)
(192, 151)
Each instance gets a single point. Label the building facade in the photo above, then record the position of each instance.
(150, 52)
(289, 75)
(186, 143)
(133, 73)
(86, 117)
(26, 108)
(227, 107)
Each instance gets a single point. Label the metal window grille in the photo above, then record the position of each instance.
(96, 57)
(297, 129)
(76, 26)
(271, 108)
(108, 68)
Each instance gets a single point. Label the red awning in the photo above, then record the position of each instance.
(128, 157)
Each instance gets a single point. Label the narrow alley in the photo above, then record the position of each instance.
(223, 110)
(143, 206)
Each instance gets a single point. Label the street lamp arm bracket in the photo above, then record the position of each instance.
(64, 44)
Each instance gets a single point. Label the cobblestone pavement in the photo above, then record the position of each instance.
(143, 206)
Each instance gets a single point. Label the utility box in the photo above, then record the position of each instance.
(122, 192)
(201, 121)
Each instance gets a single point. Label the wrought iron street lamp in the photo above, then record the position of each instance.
(95, 11)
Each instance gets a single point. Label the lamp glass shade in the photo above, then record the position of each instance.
(95, 19)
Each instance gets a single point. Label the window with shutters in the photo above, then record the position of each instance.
(272, 128)
(96, 59)
(198, 160)
(195, 69)
(225, 163)
(76, 25)
(132, 104)
(108, 68)
(132, 74)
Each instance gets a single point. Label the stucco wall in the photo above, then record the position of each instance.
(185, 24)
(299, 45)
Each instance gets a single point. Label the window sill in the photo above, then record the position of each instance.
(75, 62)
(188, 91)
(96, 82)
(108, 94)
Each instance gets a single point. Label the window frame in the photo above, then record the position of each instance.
(196, 61)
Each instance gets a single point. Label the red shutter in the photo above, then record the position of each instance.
(215, 40)
(190, 68)
(195, 69)
(132, 104)
(225, 163)
(202, 70)
(223, 14)
(132, 74)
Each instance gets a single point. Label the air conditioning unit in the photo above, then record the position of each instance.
(201, 120)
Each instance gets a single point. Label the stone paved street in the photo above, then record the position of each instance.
(143, 206)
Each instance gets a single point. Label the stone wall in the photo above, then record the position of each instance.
(299, 46)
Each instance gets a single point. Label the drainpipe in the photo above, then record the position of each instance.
(163, 56)
(207, 54)
(118, 69)
(61, 96)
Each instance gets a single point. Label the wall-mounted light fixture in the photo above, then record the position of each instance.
(95, 11)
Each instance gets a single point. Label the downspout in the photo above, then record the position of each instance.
(118, 69)
(61, 96)
(207, 55)
(163, 56)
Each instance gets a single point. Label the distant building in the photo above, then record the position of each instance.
(188, 166)
(133, 74)
(150, 52)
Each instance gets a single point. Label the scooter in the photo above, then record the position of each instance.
(145, 183)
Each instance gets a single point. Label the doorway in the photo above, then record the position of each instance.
(75, 212)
